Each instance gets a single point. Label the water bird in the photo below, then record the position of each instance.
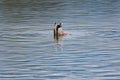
(58, 31)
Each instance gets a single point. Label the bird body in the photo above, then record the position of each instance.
(58, 31)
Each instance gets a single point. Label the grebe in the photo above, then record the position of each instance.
(58, 31)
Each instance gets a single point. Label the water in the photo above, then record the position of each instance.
(29, 52)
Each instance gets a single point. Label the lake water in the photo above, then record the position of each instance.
(28, 50)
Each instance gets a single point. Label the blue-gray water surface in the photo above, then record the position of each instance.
(28, 50)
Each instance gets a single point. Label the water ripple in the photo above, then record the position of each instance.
(28, 50)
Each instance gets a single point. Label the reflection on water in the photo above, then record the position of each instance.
(58, 39)
(28, 50)
(58, 43)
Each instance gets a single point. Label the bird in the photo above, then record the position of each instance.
(58, 31)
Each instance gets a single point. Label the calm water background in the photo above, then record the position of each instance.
(29, 52)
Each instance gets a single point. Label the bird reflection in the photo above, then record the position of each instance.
(58, 39)
(58, 42)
